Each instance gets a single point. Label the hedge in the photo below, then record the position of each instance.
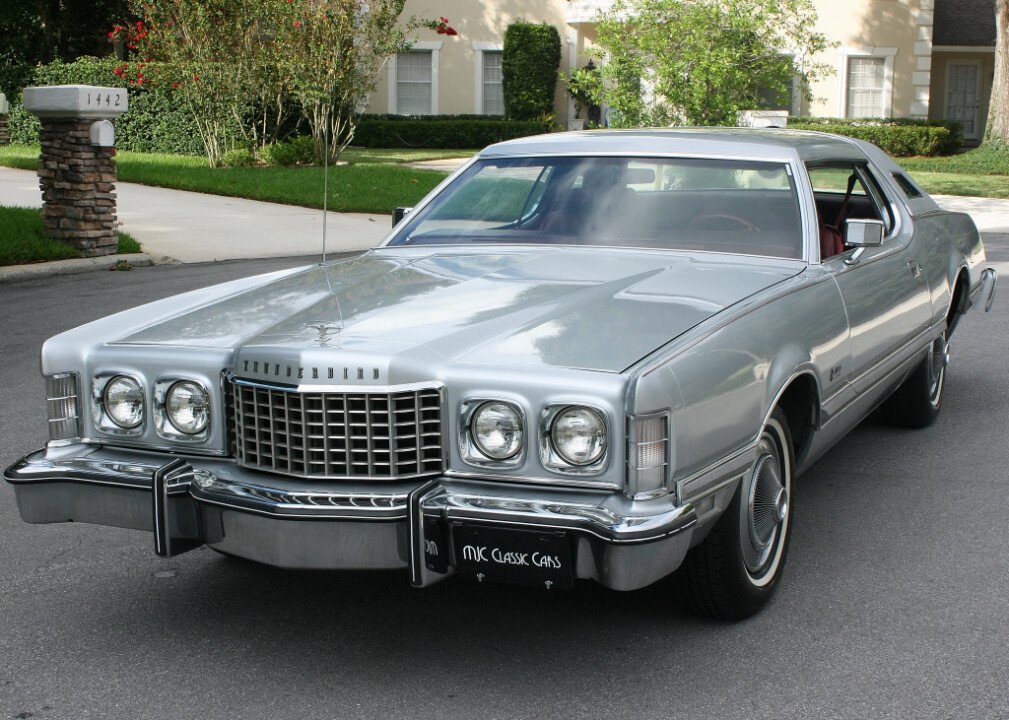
(532, 56)
(428, 118)
(157, 120)
(897, 136)
(441, 131)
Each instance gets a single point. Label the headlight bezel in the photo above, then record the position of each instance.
(469, 447)
(554, 460)
(164, 426)
(102, 418)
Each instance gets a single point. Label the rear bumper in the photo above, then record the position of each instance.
(348, 526)
(984, 294)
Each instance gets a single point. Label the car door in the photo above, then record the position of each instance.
(885, 294)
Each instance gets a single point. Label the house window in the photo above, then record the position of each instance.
(414, 82)
(493, 94)
(866, 78)
(767, 97)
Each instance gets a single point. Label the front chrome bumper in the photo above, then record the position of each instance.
(188, 502)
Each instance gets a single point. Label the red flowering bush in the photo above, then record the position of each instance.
(443, 28)
(225, 57)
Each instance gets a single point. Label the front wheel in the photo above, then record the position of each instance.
(737, 568)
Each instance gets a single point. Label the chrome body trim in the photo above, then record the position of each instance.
(713, 478)
(361, 388)
(561, 482)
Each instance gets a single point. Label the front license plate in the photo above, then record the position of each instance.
(527, 557)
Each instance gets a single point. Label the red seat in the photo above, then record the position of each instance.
(831, 242)
(831, 237)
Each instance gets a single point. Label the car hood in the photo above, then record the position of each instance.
(590, 309)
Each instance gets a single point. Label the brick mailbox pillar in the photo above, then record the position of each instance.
(77, 173)
(5, 133)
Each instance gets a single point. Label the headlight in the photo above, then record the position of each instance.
(578, 435)
(123, 400)
(188, 407)
(496, 429)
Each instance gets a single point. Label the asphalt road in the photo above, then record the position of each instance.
(894, 602)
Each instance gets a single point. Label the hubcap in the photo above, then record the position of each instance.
(766, 507)
(938, 360)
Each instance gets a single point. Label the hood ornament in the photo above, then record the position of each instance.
(327, 331)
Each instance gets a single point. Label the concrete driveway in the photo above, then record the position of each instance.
(173, 225)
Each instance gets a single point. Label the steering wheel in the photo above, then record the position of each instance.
(718, 220)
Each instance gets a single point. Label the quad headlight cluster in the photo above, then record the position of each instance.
(181, 408)
(572, 439)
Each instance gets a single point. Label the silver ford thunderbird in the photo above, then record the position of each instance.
(600, 356)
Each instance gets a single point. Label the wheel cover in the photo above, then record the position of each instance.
(938, 359)
(765, 508)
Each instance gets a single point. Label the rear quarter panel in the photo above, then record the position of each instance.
(947, 242)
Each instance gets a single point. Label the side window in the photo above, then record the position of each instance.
(912, 191)
(844, 190)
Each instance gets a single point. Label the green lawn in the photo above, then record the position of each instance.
(372, 187)
(979, 161)
(22, 241)
(982, 172)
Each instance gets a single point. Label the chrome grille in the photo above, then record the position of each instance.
(336, 435)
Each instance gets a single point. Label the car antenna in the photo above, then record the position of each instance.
(325, 183)
(325, 214)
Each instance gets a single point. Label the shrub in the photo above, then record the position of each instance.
(24, 127)
(427, 118)
(299, 150)
(532, 56)
(157, 119)
(898, 139)
(13, 77)
(441, 133)
(952, 142)
(239, 157)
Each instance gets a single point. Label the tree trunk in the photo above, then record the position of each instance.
(998, 113)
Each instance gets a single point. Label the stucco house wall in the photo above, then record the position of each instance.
(894, 36)
(891, 58)
(458, 61)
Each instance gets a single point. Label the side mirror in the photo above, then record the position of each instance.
(862, 234)
(399, 213)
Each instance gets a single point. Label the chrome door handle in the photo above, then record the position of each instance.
(914, 267)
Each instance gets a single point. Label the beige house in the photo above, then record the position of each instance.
(461, 74)
(893, 58)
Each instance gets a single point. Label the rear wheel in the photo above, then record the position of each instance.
(917, 402)
(737, 568)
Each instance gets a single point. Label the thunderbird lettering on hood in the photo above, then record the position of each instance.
(556, 307)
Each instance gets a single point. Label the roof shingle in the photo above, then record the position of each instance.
(964, 22)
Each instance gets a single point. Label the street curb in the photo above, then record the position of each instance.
(72, 267)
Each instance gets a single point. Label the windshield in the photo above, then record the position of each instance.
(732, 206)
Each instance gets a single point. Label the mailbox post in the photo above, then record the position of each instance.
(77, 172)
(5, 108)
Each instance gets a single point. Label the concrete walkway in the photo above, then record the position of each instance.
(178, 226)
(173, 225)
